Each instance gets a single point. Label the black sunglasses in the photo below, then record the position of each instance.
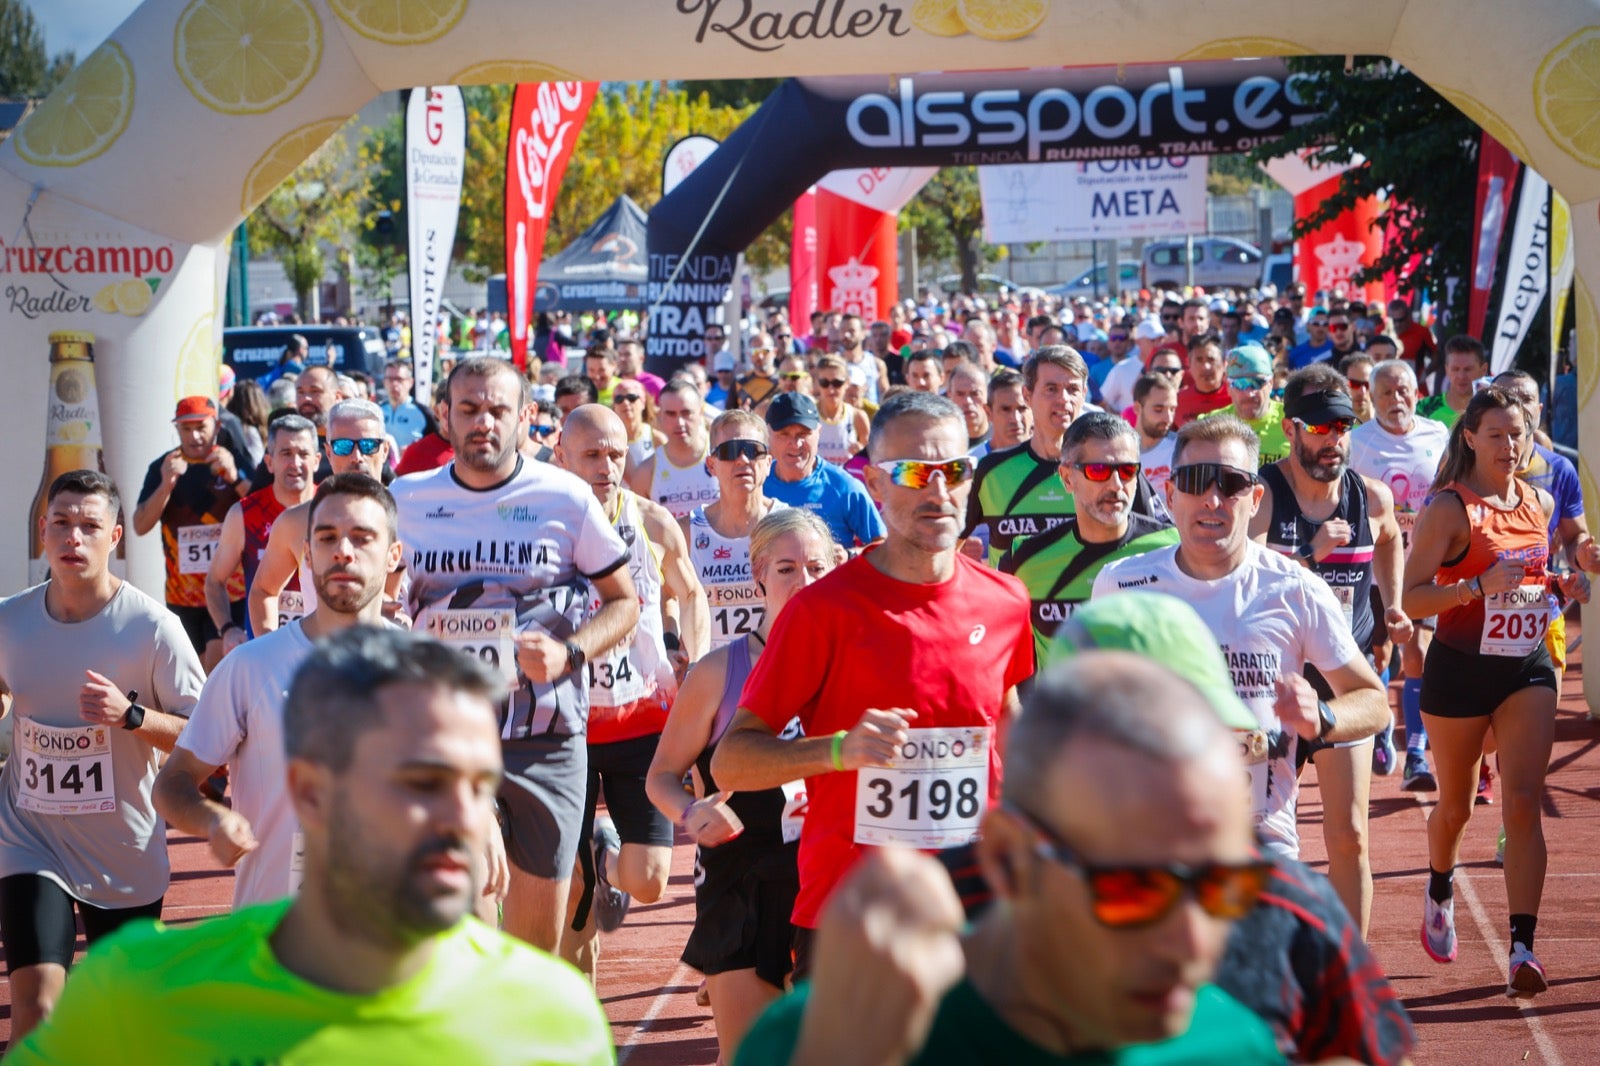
(731, 450)
(342, 446)
(1195, 478)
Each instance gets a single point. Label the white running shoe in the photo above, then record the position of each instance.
(1439, 929)
(1527, 976)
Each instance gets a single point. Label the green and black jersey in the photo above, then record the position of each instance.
(1059, 569)
(1018, 494)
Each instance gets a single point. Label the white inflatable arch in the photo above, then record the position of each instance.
(118, 194)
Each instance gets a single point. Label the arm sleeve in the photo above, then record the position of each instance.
(216, 726)
(176, 674)
(775, 691)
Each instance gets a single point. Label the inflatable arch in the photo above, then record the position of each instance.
(118, 193)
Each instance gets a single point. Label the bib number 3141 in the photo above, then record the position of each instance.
(932, 796)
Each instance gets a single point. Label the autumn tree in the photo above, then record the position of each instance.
(26, 69)
(948, 218)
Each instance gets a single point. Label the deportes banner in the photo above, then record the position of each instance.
(436, 155)
(1102, 200)
(1527, 270)
(1497, 180)
(545, 119)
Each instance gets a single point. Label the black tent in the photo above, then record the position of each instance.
(604, 269)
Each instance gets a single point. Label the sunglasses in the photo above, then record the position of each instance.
(783, 336)
(1253, 382)
(1127, 897)
(542, 431)
(627, 397)
(730, 450)
(1195, 478)
(1318, 323)
(918, 473)
(1116, 336)
(345, 445)
(794, 375)
(1103, 471)
(1167, 370)
(1359, 386)
(1339, 325)
(1322, 429)
(719, 338)
(832, 383)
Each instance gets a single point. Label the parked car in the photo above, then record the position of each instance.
(1219, 263)
(253, 351)
(1096, 281)
(1278, 270)
(987, 283)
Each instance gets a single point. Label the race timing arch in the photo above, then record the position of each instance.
(119, 192)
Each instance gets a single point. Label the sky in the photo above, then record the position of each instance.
(79, 25)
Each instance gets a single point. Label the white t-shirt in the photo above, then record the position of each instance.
(1272, 617)
(1116, 391)
(1406, 463)
(527, 546)
(1157, 464)
(239, 723)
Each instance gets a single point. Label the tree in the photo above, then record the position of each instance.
(1417, 148)
(322, 205)
(948, 217)
(734, 92)
(25, 68)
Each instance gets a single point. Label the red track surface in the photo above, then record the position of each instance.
(1460, 1011)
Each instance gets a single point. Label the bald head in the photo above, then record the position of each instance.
(594, 446)
(591, 422)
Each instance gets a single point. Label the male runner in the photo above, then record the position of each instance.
(958, 637)
(755, 387)
(356, 445)
(1340, 525)
(800, 477)
(392, 765)
(239, 719)
(292, 457)
(316, 392)
(76, 824)
(1155, 402)
(403, 417)
(1270, 615)
(968, 389)
(1403, 452)
(1010, 416)
(1100, 468)
(1204, 388)
(632, 686)
(1249, 373)
(504, 555)
(852, 335)
(676, 476)
(1464, 363)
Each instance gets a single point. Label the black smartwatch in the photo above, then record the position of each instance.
(1306, 552)
(670, 641)
(575, 657)
(1326, 721)
(133, 717)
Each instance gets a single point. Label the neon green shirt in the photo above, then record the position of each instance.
(1438, 408)
(1269, 428)
(215, 993)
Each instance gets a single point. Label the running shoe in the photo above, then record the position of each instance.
(1527, 976)
(1485, 783)
(1417, 778)
(610, 903)
(1383, 754)
(1439, 929)
(1500, 848)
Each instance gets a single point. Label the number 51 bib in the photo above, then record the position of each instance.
(932, 796)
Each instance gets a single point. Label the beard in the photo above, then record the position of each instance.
(1310, 460)
(345, 599)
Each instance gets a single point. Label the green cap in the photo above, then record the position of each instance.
(1159, 627)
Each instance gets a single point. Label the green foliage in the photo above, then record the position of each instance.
(948, 217)
(734, 92)
(25, 68)
(1415, 146)
(1234, 175)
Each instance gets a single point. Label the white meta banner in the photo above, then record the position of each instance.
(1100, 200)
(436, 154)
(1527, 271)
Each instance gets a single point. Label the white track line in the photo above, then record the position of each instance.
(656, 1007)
(1491, 937)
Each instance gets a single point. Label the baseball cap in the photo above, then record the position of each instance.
(192, 407)
(1159, 627)
(793, 409)
(723, 361)
(1149, 330)
(225, 381)
(1321, 407)
(1249, 361)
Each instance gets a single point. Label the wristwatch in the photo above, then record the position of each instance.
(1306, 552)
(1326, 722)
(575, 657)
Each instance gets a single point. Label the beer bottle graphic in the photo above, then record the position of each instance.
(72, 435)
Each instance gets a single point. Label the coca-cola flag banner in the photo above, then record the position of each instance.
(436, 155)
(1527, 270)
(546, 117)
(1497, 181)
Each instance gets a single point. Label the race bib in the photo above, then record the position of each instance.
(291, 606)
(64, 771)
(737, 611)
(1346, 595)
(1407, 521)
(1514, 621)
(616, 680)
(932, 796)
(487, 633)
(196, 546)
(794, 810)
(1254, 745)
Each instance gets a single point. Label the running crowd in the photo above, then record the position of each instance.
(883, 618)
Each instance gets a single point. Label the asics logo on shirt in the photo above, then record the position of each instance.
(977, 634)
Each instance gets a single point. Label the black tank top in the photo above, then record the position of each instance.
(1348, 569)
(760, 811)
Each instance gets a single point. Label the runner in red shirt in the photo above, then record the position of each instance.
(903, 662)
(1205, 387)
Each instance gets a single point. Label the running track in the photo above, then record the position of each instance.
(1461, 1014)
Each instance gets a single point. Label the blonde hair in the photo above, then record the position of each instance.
(767, 532)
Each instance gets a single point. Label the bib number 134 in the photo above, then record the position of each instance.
(934, 794)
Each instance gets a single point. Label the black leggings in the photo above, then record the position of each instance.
(36, 924)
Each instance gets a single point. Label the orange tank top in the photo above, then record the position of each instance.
(1511, 623)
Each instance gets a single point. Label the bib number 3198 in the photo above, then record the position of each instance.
(932, 796)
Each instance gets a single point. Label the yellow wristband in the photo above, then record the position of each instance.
(838, 749)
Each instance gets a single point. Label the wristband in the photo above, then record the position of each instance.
(838, 749)
(227, 626)
(1477, 587)
(133, 718)
(670, 641)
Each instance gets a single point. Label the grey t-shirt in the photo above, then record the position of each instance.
(75, 799)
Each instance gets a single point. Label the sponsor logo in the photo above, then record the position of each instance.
(53, 266)
(1137, 582)
(440, 512)
(702, 540)
(722, 552)
(977, 634)
(516, 512)
(768, 27)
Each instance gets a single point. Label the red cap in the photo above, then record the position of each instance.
(195, 407)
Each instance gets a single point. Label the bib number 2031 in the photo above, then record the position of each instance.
(932, 796)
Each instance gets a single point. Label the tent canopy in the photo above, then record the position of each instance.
(604, 269)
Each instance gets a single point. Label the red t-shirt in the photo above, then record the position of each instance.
(1419, 347)
(859, 639)
(1192, 403)
(429, 453)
